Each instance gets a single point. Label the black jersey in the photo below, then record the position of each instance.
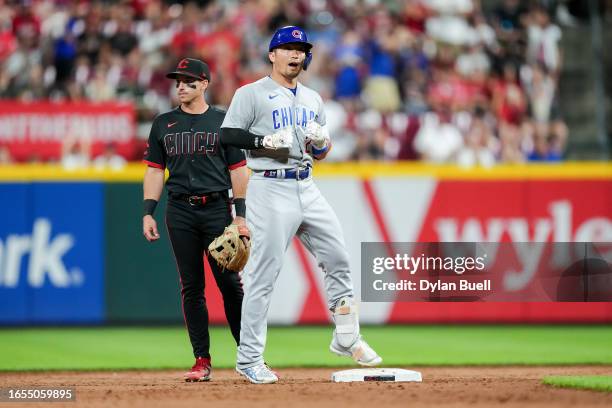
(188, 145)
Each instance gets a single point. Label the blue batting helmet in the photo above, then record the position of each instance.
(291, 35)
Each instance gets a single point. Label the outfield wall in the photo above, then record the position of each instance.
(72, 251)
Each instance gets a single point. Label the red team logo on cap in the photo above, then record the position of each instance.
(183, 64)
(297, 34)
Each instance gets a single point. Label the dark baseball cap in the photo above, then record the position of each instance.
(190, 67)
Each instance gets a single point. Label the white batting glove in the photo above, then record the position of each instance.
(283, 139)
(317, 135)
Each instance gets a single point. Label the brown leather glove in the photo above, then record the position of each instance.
(232, 248)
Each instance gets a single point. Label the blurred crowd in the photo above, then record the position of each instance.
(445, 81)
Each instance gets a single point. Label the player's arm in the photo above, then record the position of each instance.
(243, 139)
(240, 178)
(153, 183)
(317, 134)
(240, 116)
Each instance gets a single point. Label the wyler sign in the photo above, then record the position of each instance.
(51, 254)
(519, 211)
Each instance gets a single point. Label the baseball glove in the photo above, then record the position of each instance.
(232, 248)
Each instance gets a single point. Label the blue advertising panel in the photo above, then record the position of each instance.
(14, 245)
(60, 273)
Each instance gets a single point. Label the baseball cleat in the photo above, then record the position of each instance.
(360, 351)
(259, 374)
(201, 371)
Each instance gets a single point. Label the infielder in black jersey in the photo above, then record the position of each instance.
(186, 142)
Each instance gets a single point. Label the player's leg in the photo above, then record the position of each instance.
(230, 286)
(187, 246)
(273, 215)
(321, 233)
(217, 217)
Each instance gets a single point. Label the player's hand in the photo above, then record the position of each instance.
(149, 228)
(283, 139)
(316, 134)
(241, 222)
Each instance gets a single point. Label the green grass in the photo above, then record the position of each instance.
(586, 382)
(168, 347)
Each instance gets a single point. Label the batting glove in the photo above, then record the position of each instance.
(283, 139)
(317, 135)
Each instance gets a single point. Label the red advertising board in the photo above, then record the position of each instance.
(36, 131)
(514, 211)
(519, 211)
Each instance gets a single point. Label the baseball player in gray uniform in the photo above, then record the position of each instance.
(281, 124)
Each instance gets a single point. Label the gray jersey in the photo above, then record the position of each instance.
(296, 205)
(264, 107)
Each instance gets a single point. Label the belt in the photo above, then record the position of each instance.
(297, 174)
(199, 200)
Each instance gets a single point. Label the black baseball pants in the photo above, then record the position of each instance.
(191, 229)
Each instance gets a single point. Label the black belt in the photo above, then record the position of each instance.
(196, 200)
(297, 174)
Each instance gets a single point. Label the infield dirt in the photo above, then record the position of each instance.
(442, 386)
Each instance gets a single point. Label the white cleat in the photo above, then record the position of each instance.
(259, 374)
(360, 351)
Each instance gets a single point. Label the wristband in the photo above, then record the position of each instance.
(318, 152)
(240, 206)
(149, 206)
